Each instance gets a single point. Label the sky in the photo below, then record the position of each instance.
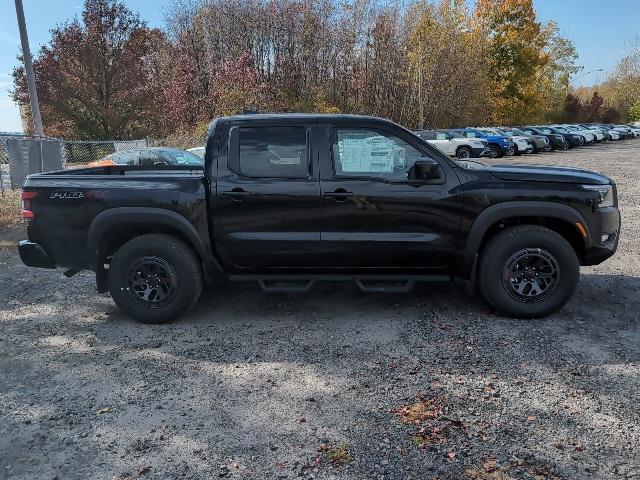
(601, 30)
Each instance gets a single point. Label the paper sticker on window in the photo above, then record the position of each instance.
(370, 155)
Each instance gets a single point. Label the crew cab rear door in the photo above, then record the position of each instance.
(266, 201)
(372, 215)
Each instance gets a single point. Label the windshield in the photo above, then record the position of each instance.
(512, 131)
(492, 132)
(561, 129)
(180, 157)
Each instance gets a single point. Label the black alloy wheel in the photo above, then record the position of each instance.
(152, 281)
(531, 275)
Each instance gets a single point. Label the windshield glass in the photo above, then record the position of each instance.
(455, 134)
(510, 132)
(180, 157)
(561, 129)
(546, 130)
(491, 132)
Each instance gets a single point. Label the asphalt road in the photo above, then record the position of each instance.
(333, 383)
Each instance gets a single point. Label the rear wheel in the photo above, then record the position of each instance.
(463, 152)
(155, 278)
(528, 271)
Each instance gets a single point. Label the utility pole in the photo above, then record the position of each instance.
(28, 66)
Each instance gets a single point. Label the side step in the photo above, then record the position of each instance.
(384, 285)
(285, 285)
(366, 283)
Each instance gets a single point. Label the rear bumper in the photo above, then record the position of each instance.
(33, 255)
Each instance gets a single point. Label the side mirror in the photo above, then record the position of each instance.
(425, 169)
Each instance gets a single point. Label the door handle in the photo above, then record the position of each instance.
(340, 194)
(237, 194)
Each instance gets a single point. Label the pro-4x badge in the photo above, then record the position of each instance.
(66, 195)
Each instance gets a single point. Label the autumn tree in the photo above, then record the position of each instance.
(514, 56)
(634, 112)
(93, 77)
(554, 76)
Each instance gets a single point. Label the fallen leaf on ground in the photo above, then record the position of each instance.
(451, 455)
(144, 470)
(103, 410)
(418, 412)
(489, 464)
(531, 418)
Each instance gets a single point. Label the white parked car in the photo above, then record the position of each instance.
(597, 133)
(521, 143)
(634, 131)
(589, 137)
(611, 133)
(454, 144)
(199, 151)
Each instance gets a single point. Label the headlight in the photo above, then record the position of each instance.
(606, 194)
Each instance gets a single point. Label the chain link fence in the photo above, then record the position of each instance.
(21, 155)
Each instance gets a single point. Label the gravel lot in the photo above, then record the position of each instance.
(330, 384)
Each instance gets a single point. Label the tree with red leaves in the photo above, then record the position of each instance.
(94, 76)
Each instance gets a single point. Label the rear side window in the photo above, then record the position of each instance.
(273, 152)
(442, 136)
(125, 158)
(428, 135)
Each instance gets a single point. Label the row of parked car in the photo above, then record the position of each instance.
(462, 143)
(472, 142)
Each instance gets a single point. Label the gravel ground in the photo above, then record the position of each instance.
(330, 384)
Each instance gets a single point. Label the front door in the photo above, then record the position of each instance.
(373, 215)
(267, 197)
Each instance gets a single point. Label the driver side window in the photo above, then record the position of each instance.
(362, 152)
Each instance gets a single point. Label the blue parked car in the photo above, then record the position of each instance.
(497, 145)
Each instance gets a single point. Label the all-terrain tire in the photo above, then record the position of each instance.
(499, 267)
(154, 278)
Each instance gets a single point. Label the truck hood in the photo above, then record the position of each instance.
(547, 174)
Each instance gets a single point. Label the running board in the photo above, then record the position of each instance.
(384, 285)
(285, 285)
(366, 283)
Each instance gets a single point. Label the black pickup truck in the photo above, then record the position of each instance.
(288, 200)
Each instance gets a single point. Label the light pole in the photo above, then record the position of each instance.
(589, 72)
(28, 67)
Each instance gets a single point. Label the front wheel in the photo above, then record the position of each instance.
(528, 271)
(512, 150)
(154, 278)
(494, 151)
